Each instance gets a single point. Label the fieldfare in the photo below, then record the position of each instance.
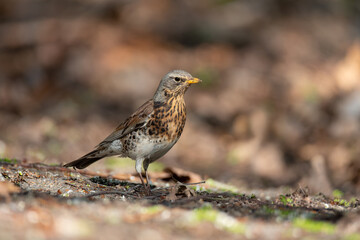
(151, 131)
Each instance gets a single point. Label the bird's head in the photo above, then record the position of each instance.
(174, 83)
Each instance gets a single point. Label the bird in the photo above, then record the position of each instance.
(151, 131)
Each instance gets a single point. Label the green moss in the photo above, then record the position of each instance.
(8, 160)
(153, 209)
(314, 226)
(221, 186)
(219, 219)
(353, 201)
(205, 213)
(337, 193)
(199, 188)
(286, 200)
(344, 202)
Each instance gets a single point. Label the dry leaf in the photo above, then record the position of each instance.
(7, 188)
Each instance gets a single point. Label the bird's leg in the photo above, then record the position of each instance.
(138, 167)
(146, 165)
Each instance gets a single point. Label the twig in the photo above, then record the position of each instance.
(189, 184)
(186, 184)
(179, 184)
(108, 192)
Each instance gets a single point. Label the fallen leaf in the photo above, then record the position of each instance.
(182, 175)
(7, 188)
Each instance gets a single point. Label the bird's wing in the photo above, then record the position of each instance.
(135, 121)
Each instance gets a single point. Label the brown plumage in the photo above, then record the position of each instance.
(151, 131)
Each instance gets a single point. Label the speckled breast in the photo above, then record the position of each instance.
(162, 131)
(168, 120)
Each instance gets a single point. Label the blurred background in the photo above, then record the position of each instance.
(279, 104)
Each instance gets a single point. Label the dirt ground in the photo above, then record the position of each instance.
(51, 202)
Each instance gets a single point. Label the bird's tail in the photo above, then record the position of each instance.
(86, 160)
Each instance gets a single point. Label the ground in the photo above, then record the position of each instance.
(41, 201)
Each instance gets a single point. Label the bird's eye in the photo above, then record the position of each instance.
(177, 79)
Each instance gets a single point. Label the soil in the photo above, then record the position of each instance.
(39, 201)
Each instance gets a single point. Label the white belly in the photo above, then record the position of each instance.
(150, 149)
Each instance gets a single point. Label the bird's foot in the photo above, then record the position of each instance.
(147, 189)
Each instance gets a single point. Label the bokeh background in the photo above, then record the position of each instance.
(279, 104)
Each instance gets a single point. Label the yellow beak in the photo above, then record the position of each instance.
(194, 80)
